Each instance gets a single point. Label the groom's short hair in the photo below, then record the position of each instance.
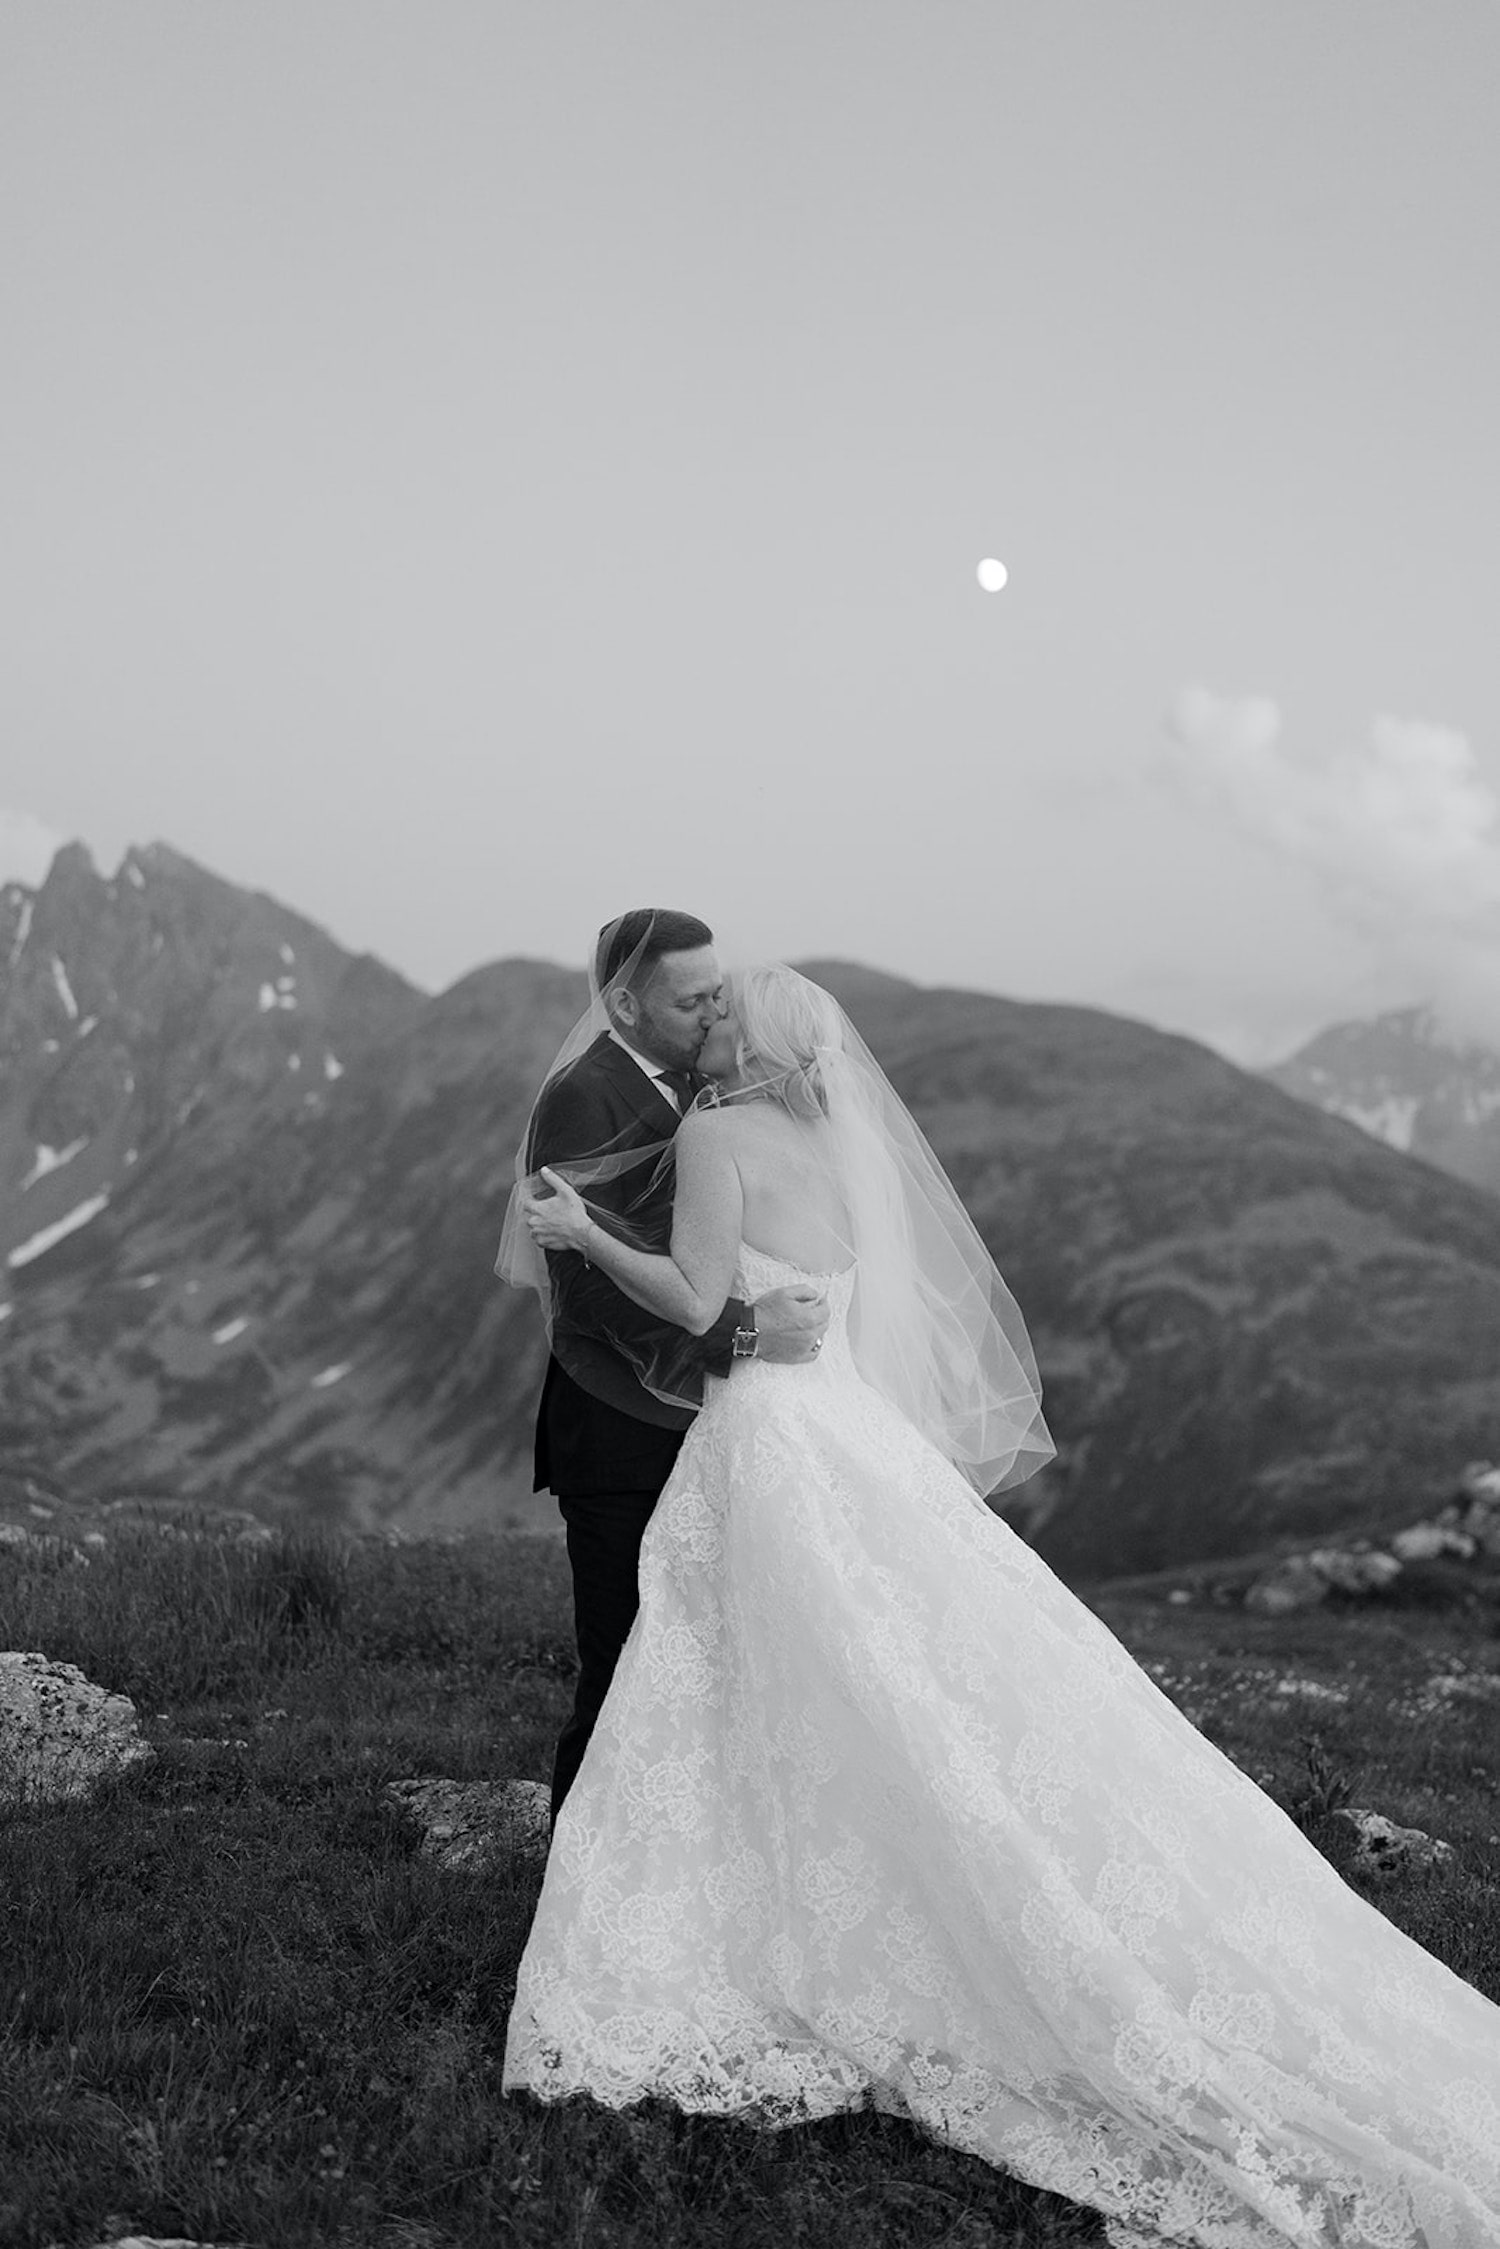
(648, 932)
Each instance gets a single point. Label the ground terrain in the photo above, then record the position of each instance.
(238, 2004)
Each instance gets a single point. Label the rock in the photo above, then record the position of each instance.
(1311, 1690)
(468, 1823)
(40, 1543)
(1464, 1686)
(1479, 1503)
(60, 1735)
(1290, 1585)
(1423, 1542)
(1355, 1570)
(152, 2241)
(1480, 1481)
(1385, 1851)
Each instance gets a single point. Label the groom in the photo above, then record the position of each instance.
(605, 1442)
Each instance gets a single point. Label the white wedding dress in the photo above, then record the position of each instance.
(878, 1813)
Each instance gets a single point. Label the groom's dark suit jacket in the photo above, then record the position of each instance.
(599, 1429)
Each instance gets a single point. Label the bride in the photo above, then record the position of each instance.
(878, 1814)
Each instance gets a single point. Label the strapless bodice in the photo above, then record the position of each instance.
(758, 1271)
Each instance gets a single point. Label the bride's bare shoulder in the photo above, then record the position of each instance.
(734, 1124)
(706, 1128)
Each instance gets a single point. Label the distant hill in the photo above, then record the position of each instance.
(251, 1187)
(1407, 1080)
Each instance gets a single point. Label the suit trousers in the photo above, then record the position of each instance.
(604, 1547)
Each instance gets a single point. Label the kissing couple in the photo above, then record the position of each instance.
(858, 1806)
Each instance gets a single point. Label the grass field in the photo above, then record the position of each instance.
(237, 2004)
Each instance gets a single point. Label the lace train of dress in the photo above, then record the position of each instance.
(878, 1814)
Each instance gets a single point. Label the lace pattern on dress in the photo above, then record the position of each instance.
(877, 1813)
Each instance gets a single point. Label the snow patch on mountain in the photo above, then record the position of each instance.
(51, 1159)
(1409, 1080)
(23, 931)
(330, 1375)
(60, 1228)
(230, 1329)
(64, 988)
(1390, 1119)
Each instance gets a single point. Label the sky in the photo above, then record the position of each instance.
(471, 467)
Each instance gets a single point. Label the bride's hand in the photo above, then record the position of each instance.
(559, 1220)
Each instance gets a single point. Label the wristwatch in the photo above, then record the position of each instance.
(746, 1342)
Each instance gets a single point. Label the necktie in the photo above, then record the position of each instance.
(684, 1083)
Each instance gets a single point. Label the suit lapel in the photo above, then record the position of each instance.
(635, 1087)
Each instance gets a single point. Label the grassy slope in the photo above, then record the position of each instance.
(236, 2004)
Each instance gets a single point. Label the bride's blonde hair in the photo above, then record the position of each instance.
(786, 1024)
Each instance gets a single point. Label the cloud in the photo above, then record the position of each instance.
(1402, 836)
(27, 847)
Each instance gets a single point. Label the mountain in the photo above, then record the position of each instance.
(251, 1187)
(1404, 1078)
(1253, 1321)
(249, 1196)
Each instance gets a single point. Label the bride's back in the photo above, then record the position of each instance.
(793, 1207)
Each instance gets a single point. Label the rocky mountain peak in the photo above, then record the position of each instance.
(134, 1004)
(1409, 1079)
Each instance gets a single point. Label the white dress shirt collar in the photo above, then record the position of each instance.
(655, 1071)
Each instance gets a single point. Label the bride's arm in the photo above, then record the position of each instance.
(691, 1286)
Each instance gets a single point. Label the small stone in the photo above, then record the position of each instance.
(1483, 1526)
(1311, 1690)
(468, 1824)
(1424, 1542)
(1385, 1851)
(152, 2241)
(1461, 1686)
(1481, 1481)
(1352, 1570)
(1291, 1585)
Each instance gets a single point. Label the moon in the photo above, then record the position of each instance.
(992, 574)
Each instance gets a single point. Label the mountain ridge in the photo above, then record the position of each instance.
(1253, 1320)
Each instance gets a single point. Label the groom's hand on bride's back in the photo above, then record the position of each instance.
(789, 1321)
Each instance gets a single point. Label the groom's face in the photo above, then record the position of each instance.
(674, 1010)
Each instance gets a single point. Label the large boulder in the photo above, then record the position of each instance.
(60, 1735)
